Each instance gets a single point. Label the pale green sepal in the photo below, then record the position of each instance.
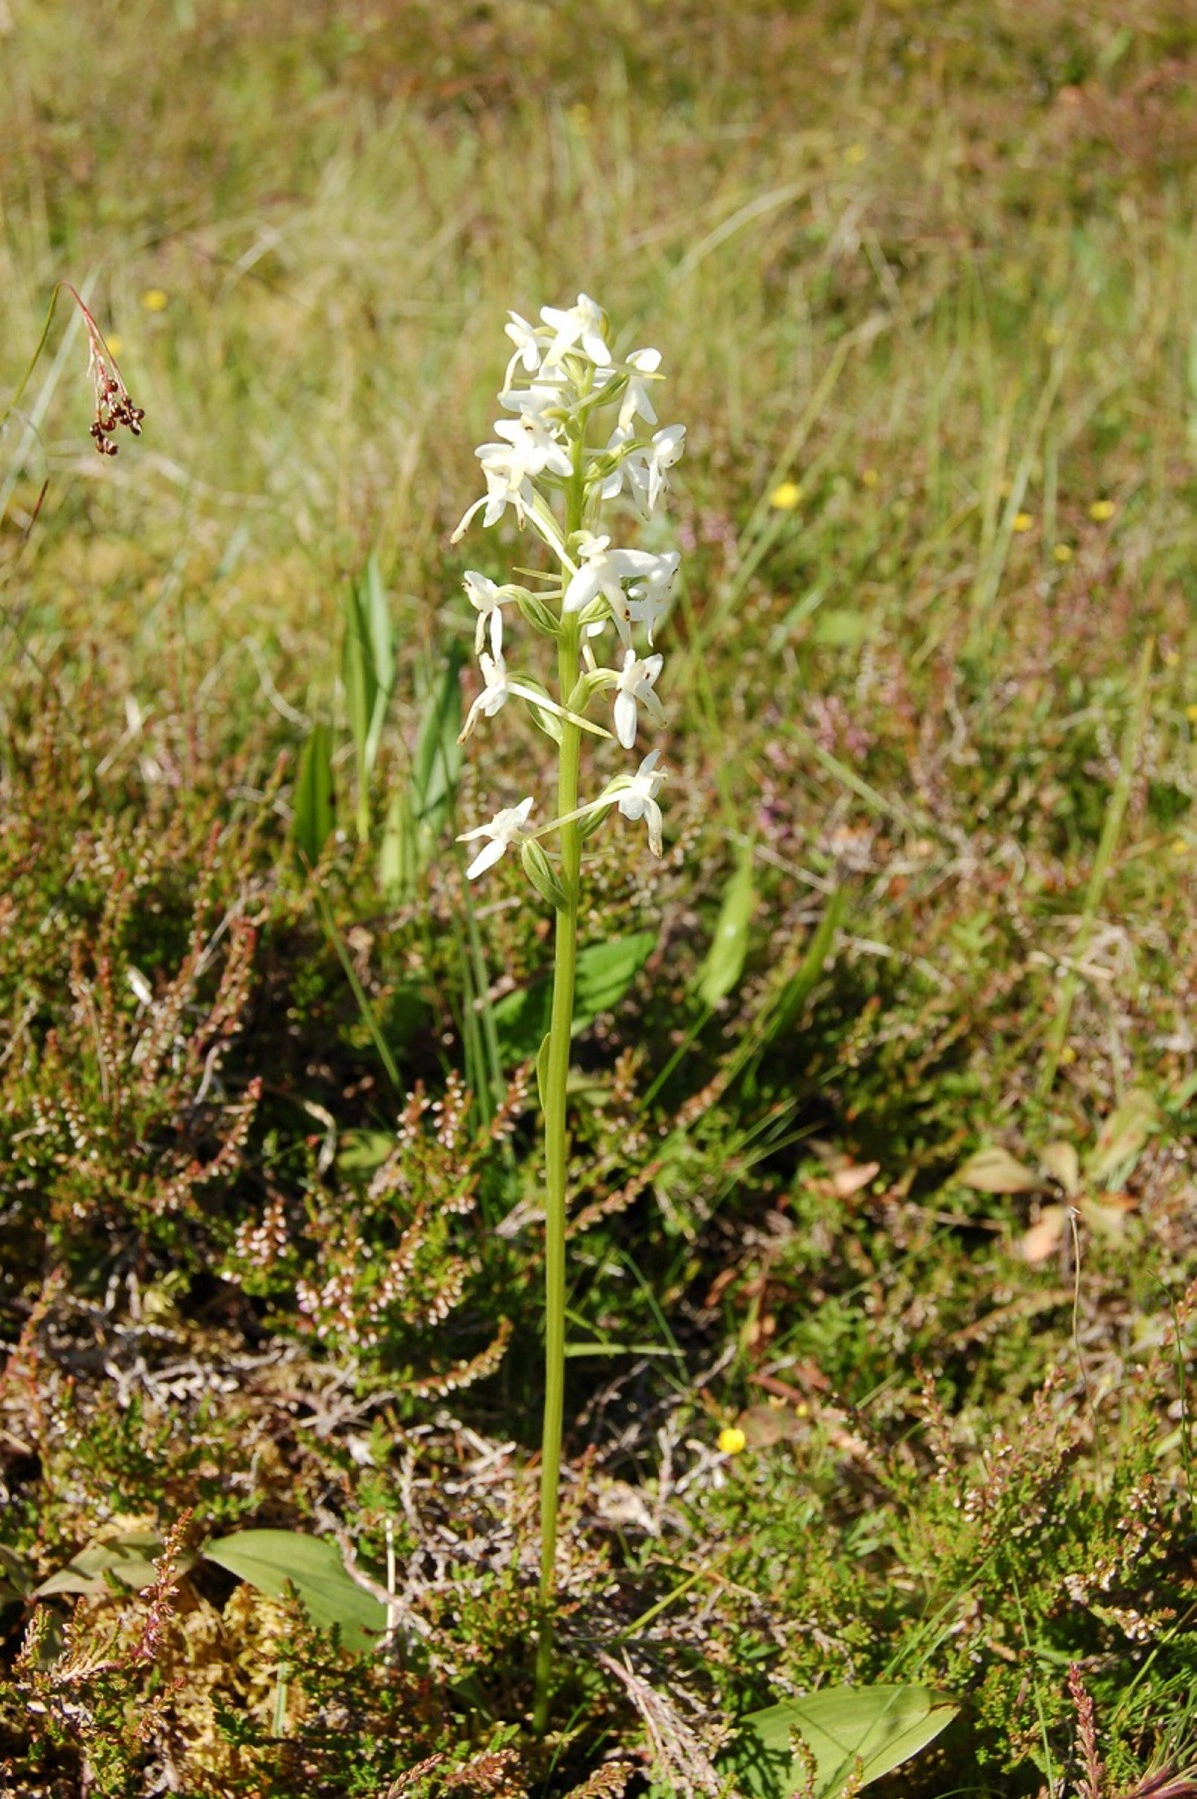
(539, 615)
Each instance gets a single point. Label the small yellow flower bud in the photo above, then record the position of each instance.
(1101, 510)
(732, 1440)
(154, 300)
(1062, 552)
(786, 496)
(1023, 521)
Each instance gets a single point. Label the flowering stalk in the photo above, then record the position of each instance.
(560, 380)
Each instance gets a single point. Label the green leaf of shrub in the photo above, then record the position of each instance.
(856, 1734)
(276, 1561)
(729, 947)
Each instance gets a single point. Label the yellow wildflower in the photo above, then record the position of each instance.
(1062, 552)
(786, 496)
(1023, 521)
(154, 300)
(1101, 510)
(732, 1440)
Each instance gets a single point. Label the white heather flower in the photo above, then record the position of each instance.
(582, 324)
(635, 686)
(648, 600)
(636, 398)
(638, 799)
(487, 600)
(502, 830)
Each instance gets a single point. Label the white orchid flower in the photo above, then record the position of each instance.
(633, 687)
(648, 600)
(636, 400)
(636, 797)
(499, 687)
(528, 345)
(530, 447)
(604, 570)
(581, 324)
(486, 597)
(646, 468)
(500, 831)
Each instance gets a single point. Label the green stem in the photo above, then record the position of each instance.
(556, 1079)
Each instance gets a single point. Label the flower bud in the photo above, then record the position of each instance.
(540, 873)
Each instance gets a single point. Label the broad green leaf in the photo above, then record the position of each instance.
(123, 1562)
(16, 1577)
(725, 959)
(856, 1734)
(1063, 1164)
(277, 1560)
(1123, 1135)
(794, 994)
(375, 607)
(396, 851)
(437, 760)
(314, 815)
(605, 972)
(357, 672)
(995, 1170)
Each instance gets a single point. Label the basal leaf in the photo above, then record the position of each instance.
(995, 1170)
(275, 1561)
(605, 971)
(314, 815)
(724, 962)
(436, 763)
(375, 608)
(1123, 1135)
(121, 1562)
(856, 1735)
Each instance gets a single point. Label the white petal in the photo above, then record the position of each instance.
(486, 858)
(625, 719)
